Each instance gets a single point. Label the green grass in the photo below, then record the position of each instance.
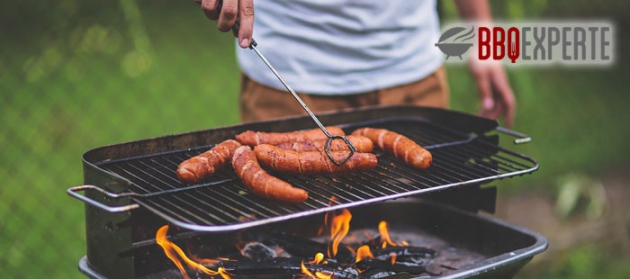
(81, 77)
(65, 95)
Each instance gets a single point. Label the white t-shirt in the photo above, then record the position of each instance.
(335, 47)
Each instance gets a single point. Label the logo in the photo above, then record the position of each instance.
(533, 43)
(454, 48)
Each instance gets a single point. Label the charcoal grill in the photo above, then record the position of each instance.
(131, 189)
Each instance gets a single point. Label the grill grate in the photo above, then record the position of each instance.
(458, 159)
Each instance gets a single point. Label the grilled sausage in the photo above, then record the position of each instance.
(206, 164)
(261, 183)
(312, 162)
(252, 138)
(398, 145)
(362, 144)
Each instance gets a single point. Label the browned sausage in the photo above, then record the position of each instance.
(206, 164)
(362, 144)
(312, 162)
(261, 183)
(252, 138)
(398, 145)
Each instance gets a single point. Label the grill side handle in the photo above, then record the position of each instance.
(74, 192)
(521, 138)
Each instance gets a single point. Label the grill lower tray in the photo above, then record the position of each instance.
(460, 158)
(474, 245)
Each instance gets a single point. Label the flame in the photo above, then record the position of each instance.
(162, 240)
(318, 258)
(239, 242)
(327, 216)
(340, 225)
(172, 251)
(352, 250)
(318, 275)
(364, 253)
(382, 229)
(205, 261)
(393, 257)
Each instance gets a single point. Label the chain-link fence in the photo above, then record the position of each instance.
(76, 75)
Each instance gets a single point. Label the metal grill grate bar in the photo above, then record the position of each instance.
(459, 159)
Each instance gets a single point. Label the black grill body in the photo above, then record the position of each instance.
(141, 175)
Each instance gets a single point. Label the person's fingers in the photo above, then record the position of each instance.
(484, 89)
(209, 7)
(497, 110)
(504, 95)
(246, 20)
(227, 17)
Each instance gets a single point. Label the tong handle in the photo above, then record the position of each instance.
(521, 138)
(73, 192)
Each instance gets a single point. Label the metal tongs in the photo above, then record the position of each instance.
(330, 138)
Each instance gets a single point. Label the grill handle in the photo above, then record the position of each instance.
(521, 138)
(74, 192)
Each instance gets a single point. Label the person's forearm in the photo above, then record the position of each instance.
(474, 10)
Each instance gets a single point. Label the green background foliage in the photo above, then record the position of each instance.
(77, 75)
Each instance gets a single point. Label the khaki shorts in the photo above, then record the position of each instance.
(259, 102)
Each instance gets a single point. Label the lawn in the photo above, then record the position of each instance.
(77, 76)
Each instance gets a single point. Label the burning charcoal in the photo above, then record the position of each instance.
(403, 252)
(281, 267)
(374, 242)
(258, 252)
(400, 251)
(411, 268)
(296, 246)
(351, 272)
(376, 273)
(304, 247)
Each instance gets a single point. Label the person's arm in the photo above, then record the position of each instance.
(494, 90)
(231, 10)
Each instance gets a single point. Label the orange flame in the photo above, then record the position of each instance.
(204, 261)
(330, 203)
(318, 275)
(239, 242)
(172, 251)
(318, 259)
(383, 230)
(340, 225)
(364, 253)
(393, 257)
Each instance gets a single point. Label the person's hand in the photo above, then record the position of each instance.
(494, 90)
(231, 10)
